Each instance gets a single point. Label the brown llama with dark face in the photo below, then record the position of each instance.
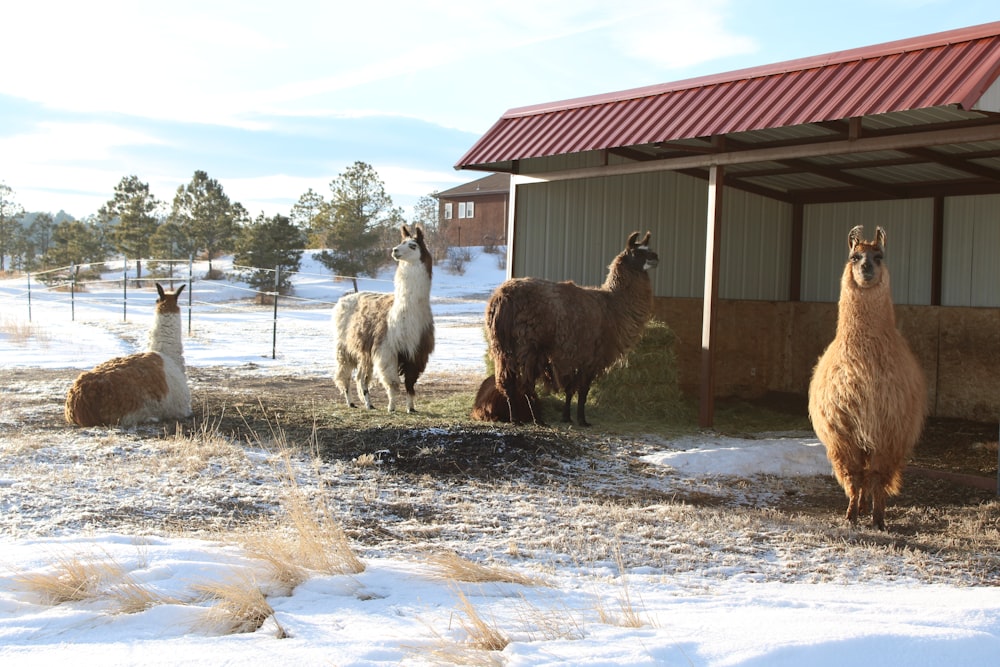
(868, 396)
(566, 335)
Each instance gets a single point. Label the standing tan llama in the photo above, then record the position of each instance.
(868, 396)
(148, 386)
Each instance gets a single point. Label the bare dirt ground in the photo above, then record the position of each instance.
(437, 480)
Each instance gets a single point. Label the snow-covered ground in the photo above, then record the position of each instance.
(400, 609)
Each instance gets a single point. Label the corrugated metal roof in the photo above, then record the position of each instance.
(947, 69)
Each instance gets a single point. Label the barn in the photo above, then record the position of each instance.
(750, 181)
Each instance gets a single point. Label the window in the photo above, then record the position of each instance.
(447, 211)
(466, 209)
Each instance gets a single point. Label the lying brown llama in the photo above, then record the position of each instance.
(492, 406)
(388, 335)
(150, 386)
(868, 396)
(567, 335)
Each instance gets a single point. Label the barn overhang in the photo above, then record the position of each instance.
(906, 119)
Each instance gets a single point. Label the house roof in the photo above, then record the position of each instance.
(487, 185)
(922, 84)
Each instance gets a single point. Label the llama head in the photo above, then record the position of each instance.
(865, 257)
(412, 249)
(637, 254)
(167, 301)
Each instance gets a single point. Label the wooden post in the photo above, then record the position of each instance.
(716, 176)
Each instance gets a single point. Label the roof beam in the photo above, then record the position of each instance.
(897, 142)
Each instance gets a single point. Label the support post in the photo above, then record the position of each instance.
(716, 176)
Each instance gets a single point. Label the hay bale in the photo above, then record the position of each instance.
(646, 384)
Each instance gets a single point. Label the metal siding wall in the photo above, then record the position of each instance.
(571, 230)
(971, 272)
(909, 236)
(756, 237)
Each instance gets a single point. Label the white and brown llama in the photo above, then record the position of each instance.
(388, 335)
(149, 386)
(564, 335)
(867, 396)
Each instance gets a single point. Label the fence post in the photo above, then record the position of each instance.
(190, 289)
(72, 292)
(274, 326)
(125, 290)
(29, 296)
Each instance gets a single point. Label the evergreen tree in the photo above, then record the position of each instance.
(131, 216)
(266, 244)
(305, 214)
(202, 209)
(75, 242)
(40, 233)
(353, 224)
(10, 222)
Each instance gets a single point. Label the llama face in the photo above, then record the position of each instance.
(866, 257)
(638, 254)
(410, 249)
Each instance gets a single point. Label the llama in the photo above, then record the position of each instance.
(149, 386)
(867, 396)
(567, 335)
(492, 406)
(390, 335)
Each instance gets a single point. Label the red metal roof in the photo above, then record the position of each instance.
(951, 68)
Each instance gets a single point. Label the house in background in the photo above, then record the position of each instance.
(475, 213)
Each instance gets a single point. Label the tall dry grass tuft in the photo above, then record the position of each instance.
(306, 538)
(628, 616)
(76, 579)
(452, 566)
(21, 333)
(238, 606)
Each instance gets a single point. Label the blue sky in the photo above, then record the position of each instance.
(274, 98)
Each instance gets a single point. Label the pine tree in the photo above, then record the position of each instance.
(266, 244)
(353, 226)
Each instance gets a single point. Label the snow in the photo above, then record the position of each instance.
(399, 610)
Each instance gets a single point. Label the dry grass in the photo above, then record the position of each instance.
(452, 566)
(238, 606)
(307, 538)
(78, 579)
(19, 332)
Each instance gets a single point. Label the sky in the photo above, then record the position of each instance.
(274, 99)
(400, 610)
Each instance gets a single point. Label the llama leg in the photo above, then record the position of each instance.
(343, 380)
(566, 410)
(581, 401)
(387, 376)
(410, 375)
(877, 489)
(363, 381)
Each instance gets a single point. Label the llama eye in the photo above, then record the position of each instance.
(855, 258)
(878, 259)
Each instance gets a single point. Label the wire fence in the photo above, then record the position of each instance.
(101, 290)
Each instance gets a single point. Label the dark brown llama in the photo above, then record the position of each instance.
(567, 335)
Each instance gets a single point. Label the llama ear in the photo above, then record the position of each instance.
(404, 232)
(645, 239)
(418, 234)
(854, 237)
(880, 238)
(630, 243)
(179, 290)
(159, 289)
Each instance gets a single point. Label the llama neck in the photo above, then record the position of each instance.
(412, 286)
(631, 299)
(865, 312)
(165, 337)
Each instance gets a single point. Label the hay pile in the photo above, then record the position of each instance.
(646, 385)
